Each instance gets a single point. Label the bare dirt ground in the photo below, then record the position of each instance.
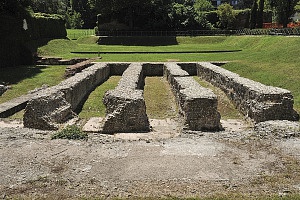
(260, 160)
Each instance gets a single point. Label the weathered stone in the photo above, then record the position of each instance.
(125, 105)
(58, 61)
(255, 100)
(78, 67)
(3, 89)
(197, 105)
(47, 111)
(77, 87)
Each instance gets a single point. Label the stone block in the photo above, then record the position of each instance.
(125, 105)
(197, 105)
(47, 111)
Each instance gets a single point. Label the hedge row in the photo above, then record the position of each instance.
(42, 26)
(18, 46)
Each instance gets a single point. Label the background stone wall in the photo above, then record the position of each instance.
(255, 100)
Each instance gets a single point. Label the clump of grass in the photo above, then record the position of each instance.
(71, 132)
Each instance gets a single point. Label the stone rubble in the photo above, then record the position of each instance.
(126, 110)
(255, 100)
(47, 111)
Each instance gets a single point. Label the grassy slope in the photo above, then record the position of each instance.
(271, 60)
(26, 78)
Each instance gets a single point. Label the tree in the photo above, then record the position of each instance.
(284, 9)
(203, 5)
(226, 15)
(183, 15)
(260, 14)
(243, 4)
(253, 15)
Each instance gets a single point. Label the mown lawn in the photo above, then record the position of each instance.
(25, 78)
(272, 60)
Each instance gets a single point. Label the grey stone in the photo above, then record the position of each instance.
(197, 105)
(47, 111)
(125, 105)
(255, 100)
(3, 89)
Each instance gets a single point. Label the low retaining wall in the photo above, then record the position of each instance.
(125, 105)
(255, 100)
(56, 104)
(198, 105)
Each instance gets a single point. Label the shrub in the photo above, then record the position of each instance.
(71, 132)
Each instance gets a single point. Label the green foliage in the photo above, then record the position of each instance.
(253, 16)
(71, 132)
(260, 14)
(226, 15)
(73, 20)
(203, 5)
(43, 25)
(283, 9)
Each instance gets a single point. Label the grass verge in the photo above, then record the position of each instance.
(26, 78)
(94, 106)
(225, 107)
(159, 99)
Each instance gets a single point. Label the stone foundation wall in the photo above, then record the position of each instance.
(55, 105)
(255, 100)
(77, 87)
(197, 105)
(125, 105)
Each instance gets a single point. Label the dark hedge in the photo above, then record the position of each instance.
(18, 46)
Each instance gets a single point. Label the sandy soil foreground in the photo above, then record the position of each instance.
(242, 159)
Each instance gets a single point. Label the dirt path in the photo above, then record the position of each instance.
(160, 164)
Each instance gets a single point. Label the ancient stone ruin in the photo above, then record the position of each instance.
(126, 109)
(197, 105)
(255, 100)
(125, 105)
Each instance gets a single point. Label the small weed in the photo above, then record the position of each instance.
(71, 132)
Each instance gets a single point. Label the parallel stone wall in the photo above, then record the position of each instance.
(54, 105)
(125, 105)
(255, 100)
(198, 105)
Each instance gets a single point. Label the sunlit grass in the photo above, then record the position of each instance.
(26, 78)
(225, 107)
(271, 60)
(159, 99)
(94, 106)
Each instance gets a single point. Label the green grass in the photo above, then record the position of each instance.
(94, 106)
(271, 60)
(71, 132)
(26, 78)
(74, 34)
(159, 99)
(225, 107)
